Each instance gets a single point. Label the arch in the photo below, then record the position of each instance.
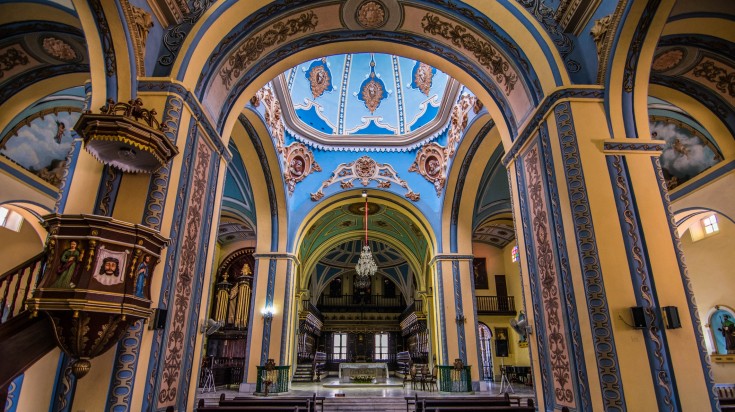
(628, 68)
(263, 170)
(485, 339)
(539, 67)
(465, 177)
(32, 214)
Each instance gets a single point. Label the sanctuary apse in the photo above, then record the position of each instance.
(182, 193)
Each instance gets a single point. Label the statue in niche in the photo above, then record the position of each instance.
(141, 274)
(728, 331)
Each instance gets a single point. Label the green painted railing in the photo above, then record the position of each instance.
(273, 381)
(453, 380)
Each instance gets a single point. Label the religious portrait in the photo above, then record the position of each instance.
(722, 326)
(479, 268)
(67, 266)
(141, 275)
(110, 266)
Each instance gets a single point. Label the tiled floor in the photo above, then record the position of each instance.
(307, 389)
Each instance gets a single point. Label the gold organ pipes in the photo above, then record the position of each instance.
(223, 297)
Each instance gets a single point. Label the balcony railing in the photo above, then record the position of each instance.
(496, 305)
(416, 306)
(17, 284)
(361, 303)
(306, 305)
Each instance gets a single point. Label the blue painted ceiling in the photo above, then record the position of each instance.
(354, 94)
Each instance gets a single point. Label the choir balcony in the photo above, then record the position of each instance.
(361, 303)
(496, 305)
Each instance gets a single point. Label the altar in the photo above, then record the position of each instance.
(349, 371)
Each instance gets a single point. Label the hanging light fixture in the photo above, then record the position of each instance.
(366, 266)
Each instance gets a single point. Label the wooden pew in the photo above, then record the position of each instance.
(462, 401)
(247, 408)
(314, 400)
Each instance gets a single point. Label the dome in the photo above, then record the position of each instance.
(365, 99)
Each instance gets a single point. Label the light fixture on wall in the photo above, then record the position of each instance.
(461, 319)
(267, 313)
(366, 266)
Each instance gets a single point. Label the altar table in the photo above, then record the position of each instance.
(377, 370)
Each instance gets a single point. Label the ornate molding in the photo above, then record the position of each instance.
(432, 160)
(485, 53)
(636, 44)
(139, 25)
(722, 80)
(105, 38)
(545, 15)
(371, 15)
(250, 50)
(655, 148)
(599, 33)
(365, 169)
(176, 34)
(298, 162)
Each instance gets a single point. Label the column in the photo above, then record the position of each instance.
(597, 239)
(274, 313)
(455, 317)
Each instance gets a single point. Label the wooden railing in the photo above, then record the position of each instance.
(16, 286)
(309, 307)
(361, 303)
(496, 305)
(416, 306)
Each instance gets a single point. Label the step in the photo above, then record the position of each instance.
(350, 404)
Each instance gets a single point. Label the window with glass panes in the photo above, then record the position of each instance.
(710, 225)
(381, 346)
(339, 349)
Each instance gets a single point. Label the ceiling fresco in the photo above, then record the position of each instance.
(342, 259)
(347, 222)
(373, 99)
(40, 137)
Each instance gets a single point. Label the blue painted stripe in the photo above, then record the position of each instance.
(287, 298)
(267, 323)
(461, 342)
(662, 373)
(130, 51)
(13, 395)
(688, 291)
(442, 312)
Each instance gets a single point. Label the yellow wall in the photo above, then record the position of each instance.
(20, 246)
(710, 262)
(38, 383)
(499, 262)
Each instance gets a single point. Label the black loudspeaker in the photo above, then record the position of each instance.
(501, 348)
(639, 318)
(672, 317)
(159, 318)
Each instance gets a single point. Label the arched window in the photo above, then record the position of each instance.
(486, 351)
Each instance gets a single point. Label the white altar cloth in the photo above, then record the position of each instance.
(379, 370)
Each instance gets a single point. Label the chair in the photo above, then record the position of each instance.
(410, 376)
(431, 380)
(423, 376)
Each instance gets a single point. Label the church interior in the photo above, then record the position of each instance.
(252, 197)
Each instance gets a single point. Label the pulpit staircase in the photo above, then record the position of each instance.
(304, 373)
(23, 339)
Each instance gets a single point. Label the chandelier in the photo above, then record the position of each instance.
(366, 266)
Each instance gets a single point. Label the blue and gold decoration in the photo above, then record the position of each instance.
(372, 90)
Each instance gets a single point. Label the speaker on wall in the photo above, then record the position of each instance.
(671, 314)
(639, 318)
(159, 319)
(501, 348)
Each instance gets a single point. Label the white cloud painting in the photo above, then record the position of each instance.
(686, 153)
(42, 146)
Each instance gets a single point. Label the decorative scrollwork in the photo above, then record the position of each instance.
(10, 59)
(298, 163)
(365, 169)
(251, 50)
(175, 35)
(132, 109)
(483, 51)
(724, 81)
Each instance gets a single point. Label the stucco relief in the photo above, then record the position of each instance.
(370, 15)
(365, 169)
(432, 160)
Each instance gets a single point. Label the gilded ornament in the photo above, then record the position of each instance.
(298, 163)
(668, 59)
(10, 59)
(320, 79)
(372, 94)
(423, 77)
(599, 33)
(370, 15)
(59, 49)
(366, 170)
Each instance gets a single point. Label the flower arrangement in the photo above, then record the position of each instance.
(362, 379)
